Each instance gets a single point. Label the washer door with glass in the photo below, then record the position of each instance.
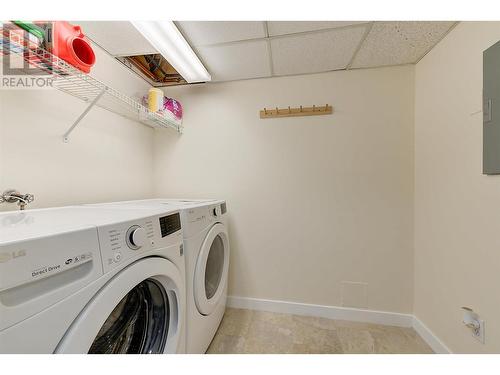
(139, 311)
(211, 270)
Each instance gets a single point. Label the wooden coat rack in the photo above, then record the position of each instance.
(297, 111)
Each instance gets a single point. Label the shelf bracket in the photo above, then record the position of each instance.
(84, 113)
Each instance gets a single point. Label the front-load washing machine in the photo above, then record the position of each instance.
(92, 280)
(206, 245)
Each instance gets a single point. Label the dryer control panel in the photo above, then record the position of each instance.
(127, 240)
(198, 218)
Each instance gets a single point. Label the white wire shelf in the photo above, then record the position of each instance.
(66, 78)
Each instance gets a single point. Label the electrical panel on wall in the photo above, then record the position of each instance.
(491, 110)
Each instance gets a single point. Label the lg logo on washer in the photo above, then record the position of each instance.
(5, 257)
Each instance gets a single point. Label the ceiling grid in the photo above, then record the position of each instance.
(271, 65)
(368, 29)
(236, 50)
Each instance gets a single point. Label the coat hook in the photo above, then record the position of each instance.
(326, 109)
(314, 108)
(289, 110)
(277, 111)
(265, 111)
(300, 108)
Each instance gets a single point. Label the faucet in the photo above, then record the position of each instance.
(13, 196)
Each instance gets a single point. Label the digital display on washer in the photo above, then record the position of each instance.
(170, 224)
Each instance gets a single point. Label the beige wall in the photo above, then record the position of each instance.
(457, 209)
(314, 201)
(108, 157)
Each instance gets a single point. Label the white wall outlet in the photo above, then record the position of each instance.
(478, 333)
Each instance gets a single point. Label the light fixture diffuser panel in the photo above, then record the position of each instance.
(167, 39)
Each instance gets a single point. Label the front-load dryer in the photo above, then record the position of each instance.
(85, 280)
(206, 245)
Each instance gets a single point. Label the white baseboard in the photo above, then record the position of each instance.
(342, 313)
(429, 337)
(330, 312)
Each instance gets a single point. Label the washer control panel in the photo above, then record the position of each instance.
(170, 224)
(123, 241)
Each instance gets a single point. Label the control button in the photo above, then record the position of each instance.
(117, 257)
(136, 237)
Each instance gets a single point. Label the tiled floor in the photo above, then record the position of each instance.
(247, 331)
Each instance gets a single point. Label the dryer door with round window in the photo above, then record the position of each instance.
(210, 279)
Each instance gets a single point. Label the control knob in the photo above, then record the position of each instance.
(136, 237)
(217, 211)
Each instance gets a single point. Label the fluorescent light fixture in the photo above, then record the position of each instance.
(169, 42)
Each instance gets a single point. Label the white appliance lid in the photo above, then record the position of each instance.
(160, 202)
(23, 225)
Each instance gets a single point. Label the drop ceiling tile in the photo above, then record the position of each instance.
(236, 61)
(393, 43)
(290, 27)
(200, 33)
(119, 38)
(318, 52)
